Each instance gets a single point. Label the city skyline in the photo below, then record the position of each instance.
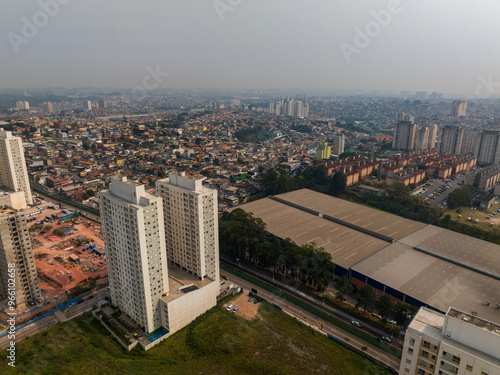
(330, 46)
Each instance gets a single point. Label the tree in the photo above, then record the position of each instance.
(384, 306)
(457, 197)
(338, 183)
(342, 286)
(366, 298)
(277, 181)
(90, 193)
(404, 313)
(347, 154)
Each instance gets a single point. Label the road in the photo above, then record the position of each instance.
(83, 213)
(52, 319)
(312, 320)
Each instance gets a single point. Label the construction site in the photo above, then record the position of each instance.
(68, 251)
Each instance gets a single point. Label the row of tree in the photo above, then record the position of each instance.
(367, 300)
(242, 236)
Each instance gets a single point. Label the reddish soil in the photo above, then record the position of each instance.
(247, 310)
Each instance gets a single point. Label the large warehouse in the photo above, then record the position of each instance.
(420, 264)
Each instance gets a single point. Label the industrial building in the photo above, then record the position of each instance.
(413, 262)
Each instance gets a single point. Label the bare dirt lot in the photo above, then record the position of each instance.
(247, 310)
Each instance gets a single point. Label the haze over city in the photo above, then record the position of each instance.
(435, 46)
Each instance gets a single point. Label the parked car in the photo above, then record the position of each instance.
(356, 323)
(230, 307)
(235, 310)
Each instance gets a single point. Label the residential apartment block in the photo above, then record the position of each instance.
(134, 237)
(13, 172)
(15, 249)
(142, 232)
(457, 343)
(190, 212)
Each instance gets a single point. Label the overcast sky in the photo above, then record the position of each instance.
(429, 45)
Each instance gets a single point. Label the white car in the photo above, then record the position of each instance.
(230, 307)
(356, 323)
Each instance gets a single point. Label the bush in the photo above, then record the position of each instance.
(58, 232)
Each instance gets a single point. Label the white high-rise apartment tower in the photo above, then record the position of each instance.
(458, 108)
(16, 256)
(190, 212)
(13, 171)
(134, 237)
(458, 343)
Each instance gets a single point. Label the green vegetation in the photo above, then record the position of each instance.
(58, 232)
(218, 342)
(302, 129)
(79, 289)
(253, 134)
(319, 313)
(366, 298)
(277, 181)
(35, 227)
(244, 237)
(458, 197)
(347, 154)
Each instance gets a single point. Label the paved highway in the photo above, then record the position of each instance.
(52, 319)
(319, 324)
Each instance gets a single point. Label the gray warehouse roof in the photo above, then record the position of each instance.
(433, 265)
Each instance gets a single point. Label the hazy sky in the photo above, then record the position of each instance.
(445, 45)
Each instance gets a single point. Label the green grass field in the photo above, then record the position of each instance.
(220, 343)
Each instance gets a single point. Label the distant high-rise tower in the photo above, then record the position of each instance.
(470, 143)
(102, 103)
(489, 148)
(404, 133)
(458, 108)
(421, 95)
(271, 107)
(190, 211)
(306, 109)
(451, 139)
(134, 237)
(87, 105)
(323, 151)
(277, 108)
(421, 138)
(22, 104)
(47, 107)
(338, 144)
(299, 109)
(432, 140)
(13, 171)
(16, 255)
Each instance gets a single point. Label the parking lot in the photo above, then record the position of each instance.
(435, 192)
(245, 305)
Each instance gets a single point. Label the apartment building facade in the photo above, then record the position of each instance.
(13, 171)
(457, 343)
(134, 237)
(190, 211)
(16, 250)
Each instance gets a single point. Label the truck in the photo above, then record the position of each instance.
(476, 220)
